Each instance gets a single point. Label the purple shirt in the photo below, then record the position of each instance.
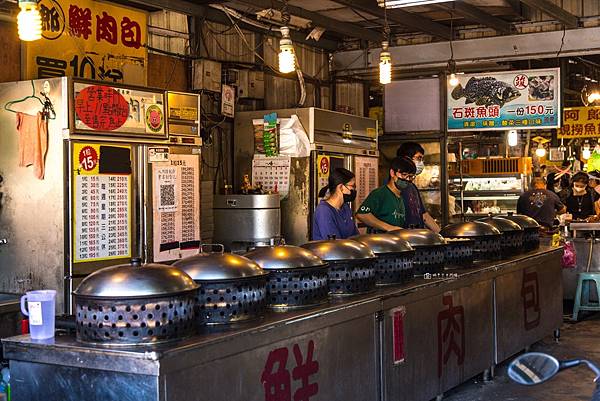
(330, 221)
(414, 207)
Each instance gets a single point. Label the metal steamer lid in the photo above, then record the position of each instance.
(135, 280)
(420, 237)
(384, 243)
(524, 221)
(219, 266)
(502, 224)
(339, 249)
(469, 229)
(285, 257)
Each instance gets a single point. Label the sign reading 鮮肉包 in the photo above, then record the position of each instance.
(89, 39)
(580, 122)
(527, 99)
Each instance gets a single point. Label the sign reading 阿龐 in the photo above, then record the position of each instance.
(580, 122)
(89, 39)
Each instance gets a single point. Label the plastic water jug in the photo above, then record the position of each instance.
(41, 311)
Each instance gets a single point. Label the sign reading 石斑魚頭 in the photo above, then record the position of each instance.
(580, 122)
(89, 39)
(505, 100)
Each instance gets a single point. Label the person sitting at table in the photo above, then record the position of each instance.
(333, 216)
(540, 203)
(582, 202)
(384, 209)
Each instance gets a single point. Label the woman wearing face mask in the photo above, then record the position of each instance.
(333, 215)
(583, 203)
(384, 208)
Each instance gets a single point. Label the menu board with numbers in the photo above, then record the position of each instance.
(101, 202)
(272, 173)
(365, 169)
(176, 205)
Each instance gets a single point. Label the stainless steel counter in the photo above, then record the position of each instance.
(380, 346)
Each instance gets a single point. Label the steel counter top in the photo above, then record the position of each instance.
(215, 342)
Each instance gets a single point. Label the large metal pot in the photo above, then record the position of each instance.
(459, 253)
(351, 265)
(531, 230)
(135, 304)
(297, 277)
(232, 287)
(430, 249)
(512, 234)
(487, 239)
(394, 263)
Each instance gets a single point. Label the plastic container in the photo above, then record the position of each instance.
(41, 311)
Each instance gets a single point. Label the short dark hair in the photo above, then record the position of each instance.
(403, 165)
(581, 177)
(409, 149)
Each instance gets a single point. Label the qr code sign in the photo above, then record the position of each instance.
(167, 195)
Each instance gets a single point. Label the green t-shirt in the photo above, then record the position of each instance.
(384, 205)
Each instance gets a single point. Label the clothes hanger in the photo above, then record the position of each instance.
(47, 106)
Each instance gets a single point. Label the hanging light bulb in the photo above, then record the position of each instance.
(512, 137)
(586, 154)
(29, 21)
(562, 148)
(453, 80)
(287, 56)
(540, 151)
(385, 64)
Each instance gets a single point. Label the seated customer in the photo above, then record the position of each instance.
(582, 202)
(384, 210)
(333, 216)
(540, 204)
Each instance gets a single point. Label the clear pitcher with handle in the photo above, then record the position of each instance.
(40, 310)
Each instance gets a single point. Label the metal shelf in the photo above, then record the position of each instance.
(514, 197)
(498, 194)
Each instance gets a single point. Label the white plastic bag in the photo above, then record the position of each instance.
(293, 140)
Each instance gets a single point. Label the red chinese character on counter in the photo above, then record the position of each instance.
(277, 384)
(106, 28)
(303, 371)
(131, 33)
(451, 333)
(80, 21)
(530, 294)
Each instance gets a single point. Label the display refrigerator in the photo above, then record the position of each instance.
(91, 175)
(334, 140)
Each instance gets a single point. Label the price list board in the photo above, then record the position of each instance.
(101, 202)
(366, 177)
(176, 206)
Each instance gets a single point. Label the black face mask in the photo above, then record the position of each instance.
(401, 184)
(350, 197)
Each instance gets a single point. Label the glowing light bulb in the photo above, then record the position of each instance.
(29, 21)
(287, 55)
(586, 154)
(540, 151)
(594, 96)
(385, 65)
(513, 137)
(453, 81)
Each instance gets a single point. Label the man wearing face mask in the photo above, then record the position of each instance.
(416, 215)
(333, 216)
(384, 209)
(582, 203)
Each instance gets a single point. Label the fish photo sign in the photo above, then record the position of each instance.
(527, 99)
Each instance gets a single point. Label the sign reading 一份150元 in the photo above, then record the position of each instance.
(505, 100)
(89, 39)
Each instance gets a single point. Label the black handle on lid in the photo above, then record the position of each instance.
(136, 262)
(510, 213)
(333, 236)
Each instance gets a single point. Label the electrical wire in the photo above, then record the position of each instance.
(562, 40)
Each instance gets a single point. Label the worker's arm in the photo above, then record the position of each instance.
(562, 210)
(430, 223)
(372, 221)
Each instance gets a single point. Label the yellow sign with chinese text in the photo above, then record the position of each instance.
(89, 39)
(580, 122)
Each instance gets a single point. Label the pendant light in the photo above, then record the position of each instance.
(287, 55)
(29, 21)
(540, 151)
(562, 148)
(512, 137)
(586, 152)
(452, 78)
(385, 57)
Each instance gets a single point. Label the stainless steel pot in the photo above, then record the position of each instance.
(135, 304)
(512, 234)
(459, 253)
(430, 249)
(232, 287)
(297, 277)
(394, 264)
(487, 239)
(531, 230)
(351, 265)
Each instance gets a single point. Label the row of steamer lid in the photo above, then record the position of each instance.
(145, 304)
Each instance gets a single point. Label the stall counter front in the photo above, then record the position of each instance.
(409, 342)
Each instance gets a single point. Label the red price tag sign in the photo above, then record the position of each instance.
(324, 167)
(88, 158)
(101, 108)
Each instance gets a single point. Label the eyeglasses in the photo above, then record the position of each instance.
(406, 176)
(350, 187)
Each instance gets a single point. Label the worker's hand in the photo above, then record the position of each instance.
(593, 219)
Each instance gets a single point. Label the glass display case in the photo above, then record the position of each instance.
(477, 196)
